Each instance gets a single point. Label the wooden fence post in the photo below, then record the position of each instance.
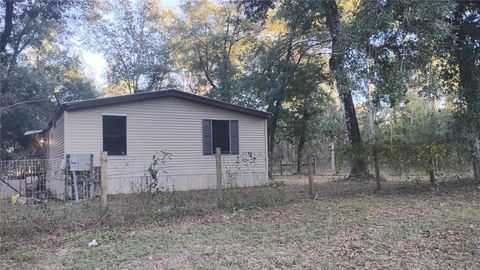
(310, 177)
(475, 170)
(91, 178)
(333, 161)
(218, 158)
(281, 167)
(103, 180)
(67, 176)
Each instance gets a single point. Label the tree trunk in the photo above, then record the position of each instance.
(372, 127)
(376, 160)
(468, 73)
(271, 135)
(333, 161)
(431, 172)
(372, 124)
(301, 144)
(303, 135)
(476, 161)
(4, 40)
(7, 27)
(358, 165)
(275, 108)
(475, 170)
(310, 176)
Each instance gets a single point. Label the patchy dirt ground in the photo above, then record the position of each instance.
(353, 227)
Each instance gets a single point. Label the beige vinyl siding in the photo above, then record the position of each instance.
(56, 139)
(174, 125)
(55, 154)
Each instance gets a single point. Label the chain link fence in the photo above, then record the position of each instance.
(29, 181)
(398, 161)
(77, 177)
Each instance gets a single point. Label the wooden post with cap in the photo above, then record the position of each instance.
(218, 158)
(310, 176)
(103, 180)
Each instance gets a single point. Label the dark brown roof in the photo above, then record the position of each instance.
(85, 104)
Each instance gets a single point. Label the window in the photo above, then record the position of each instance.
(220, 133)
(115, 134)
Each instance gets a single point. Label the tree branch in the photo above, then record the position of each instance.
(5, 109)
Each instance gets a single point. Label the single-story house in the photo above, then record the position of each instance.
(134, 128)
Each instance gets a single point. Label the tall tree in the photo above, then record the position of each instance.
(281, 72)
(391, 46)
(28, 26)
(334, 25)
(306, 101)
(463, 68)
(211, 42)
(49, 71)
(7, 26)
(319, 17)
(133, 37)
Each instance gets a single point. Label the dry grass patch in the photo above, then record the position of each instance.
(411, 229)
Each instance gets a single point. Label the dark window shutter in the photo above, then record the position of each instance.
(207, 137)
(234, 145)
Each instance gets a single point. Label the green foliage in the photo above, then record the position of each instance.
(54, 79)
(36, 71)
(361, 151)
(326, 126)
(392, 44)
(421, 141)
(461, 68)
(132, 35)
(213, 41)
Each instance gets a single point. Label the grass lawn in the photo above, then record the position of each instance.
(424, 230)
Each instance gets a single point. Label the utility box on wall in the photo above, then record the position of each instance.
(79, 162)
